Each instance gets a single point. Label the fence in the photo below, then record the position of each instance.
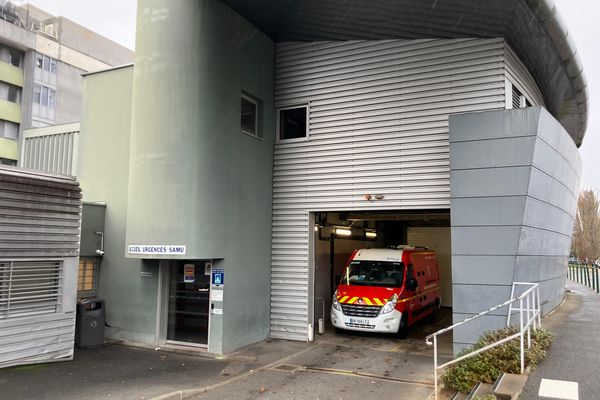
(585, 274)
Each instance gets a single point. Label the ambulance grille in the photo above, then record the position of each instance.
(356, 310)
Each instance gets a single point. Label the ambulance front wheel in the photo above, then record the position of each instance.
(403, 327)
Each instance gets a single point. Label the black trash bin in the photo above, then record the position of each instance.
(89, 327)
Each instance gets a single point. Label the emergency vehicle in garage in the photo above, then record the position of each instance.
(387, 290)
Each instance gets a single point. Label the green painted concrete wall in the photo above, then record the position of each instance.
(103, 174)
(8, 149)
(194, 178)
(11, 74)
(10, 111)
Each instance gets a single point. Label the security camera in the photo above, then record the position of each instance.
(100, 252)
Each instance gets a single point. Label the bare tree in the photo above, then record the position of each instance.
(586, 233)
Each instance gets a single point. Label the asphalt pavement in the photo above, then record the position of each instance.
(574, 353)
(336, 366)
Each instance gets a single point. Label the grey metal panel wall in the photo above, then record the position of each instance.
(52, 149)
(518, 75)
(514, 191)
(39, 220)
(36, 339)
(39, 215)
(378, 121)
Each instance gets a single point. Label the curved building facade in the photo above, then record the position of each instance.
(254, 129)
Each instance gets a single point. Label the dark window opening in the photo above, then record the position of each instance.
(249, 119)
(13, 94)
(15, 58)
(292, 123)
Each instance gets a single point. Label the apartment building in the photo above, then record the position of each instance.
(42, 58)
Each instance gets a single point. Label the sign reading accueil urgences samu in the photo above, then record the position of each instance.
(156, 249)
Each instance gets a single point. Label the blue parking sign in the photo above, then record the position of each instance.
(218, 277)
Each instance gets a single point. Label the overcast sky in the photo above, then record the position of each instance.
(115, 19)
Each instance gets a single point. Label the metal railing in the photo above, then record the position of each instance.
(586, 274)
(529, 315)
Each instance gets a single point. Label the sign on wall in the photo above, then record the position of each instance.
(189, 273)
(156, 249)
(218, 277)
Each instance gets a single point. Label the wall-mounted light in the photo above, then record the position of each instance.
(371, 234)
(343, 232)
(316, 228)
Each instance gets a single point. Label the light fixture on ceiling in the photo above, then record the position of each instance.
(371, 234)
(343, 232)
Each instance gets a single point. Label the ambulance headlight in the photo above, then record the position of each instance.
(390, 305)
(335, 303)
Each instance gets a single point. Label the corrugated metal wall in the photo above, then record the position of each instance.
(378, 124)
(39, 226)
(518, 75)
(51, 149)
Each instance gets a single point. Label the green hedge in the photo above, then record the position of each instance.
(486, 367)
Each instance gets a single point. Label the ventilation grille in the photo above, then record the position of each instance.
(29, 288)
(516, 97)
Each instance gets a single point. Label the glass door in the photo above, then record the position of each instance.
(189, 302)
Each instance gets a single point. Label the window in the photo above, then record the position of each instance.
(44, 96)
(87, 279)
(13, 94)
(9, 130)
(15, 58)
(374, 273)
(44, 101)
(249, 116)
(292, 123)
(517, 99)
(53, 65)
(29, 288)
(37, 93)
(39, 60)
(51, 98)
(46, 64)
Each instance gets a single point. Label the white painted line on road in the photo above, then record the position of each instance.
(551, 389)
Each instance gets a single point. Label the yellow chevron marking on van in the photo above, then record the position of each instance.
(343, 299)
(418, 295)
(378, 302)
(367, 300)
(352, 300)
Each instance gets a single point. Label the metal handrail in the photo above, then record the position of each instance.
(532, 314)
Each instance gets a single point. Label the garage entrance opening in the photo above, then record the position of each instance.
(338, 234)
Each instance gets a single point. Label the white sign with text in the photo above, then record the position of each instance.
(156, 249)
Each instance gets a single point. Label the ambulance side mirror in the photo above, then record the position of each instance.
(412, 284)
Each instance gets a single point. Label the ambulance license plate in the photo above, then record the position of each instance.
(358, 321)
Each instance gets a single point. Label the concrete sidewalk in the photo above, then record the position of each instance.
(574, 353)
(124, 372)
(337, 366)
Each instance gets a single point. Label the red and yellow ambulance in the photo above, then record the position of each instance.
(387, 290)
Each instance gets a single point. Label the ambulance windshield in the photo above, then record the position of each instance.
(374, 273)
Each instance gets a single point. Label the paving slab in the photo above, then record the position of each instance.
(573, 355)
